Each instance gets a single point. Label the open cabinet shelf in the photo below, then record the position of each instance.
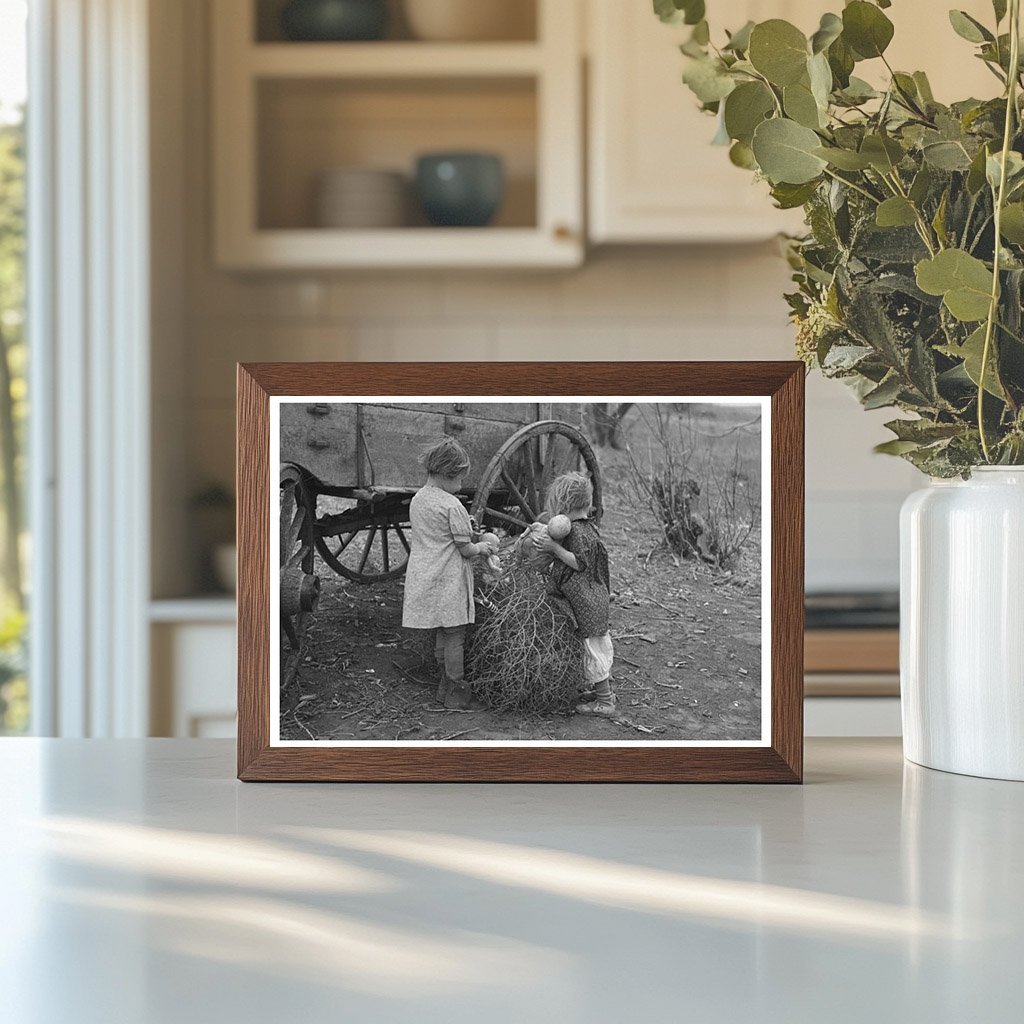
(287, 114)
(394, 60)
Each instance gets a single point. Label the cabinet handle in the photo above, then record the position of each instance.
(563, 232)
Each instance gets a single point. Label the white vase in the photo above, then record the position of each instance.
(962, 624)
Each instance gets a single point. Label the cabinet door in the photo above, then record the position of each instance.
(654, 175)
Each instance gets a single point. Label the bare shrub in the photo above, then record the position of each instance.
(701, 486)
(524, 654)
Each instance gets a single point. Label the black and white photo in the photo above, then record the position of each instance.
(558, 571)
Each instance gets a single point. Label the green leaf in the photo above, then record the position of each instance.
(885, 394)
(745, 108)
(675, 12)
(741, 155)
(906, 89)
(844, 159)
(800, 105)
(939, 220)
(895, 447)
(858, 91)
(968, 28)
(971, 352)
(778, 50)
(841, 60)
(976, 174)
(701, 33)
(999, 6)
(921, 185)
(923, 431)
(708, 80)
(1014, 169)
(896, 212)
(789, 197)
(866, 29)
(829, 30)
(739, 41)
(963, 281)
(883, 153)
(820, 76)
(946, 156)
(785, 152)
(924, 87)
(1012, 224)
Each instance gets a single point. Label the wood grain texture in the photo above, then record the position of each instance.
(781, 762)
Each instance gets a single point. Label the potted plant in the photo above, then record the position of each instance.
(908, 288)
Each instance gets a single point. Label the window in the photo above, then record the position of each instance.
(14, 704)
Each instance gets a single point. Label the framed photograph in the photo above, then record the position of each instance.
(520, 572)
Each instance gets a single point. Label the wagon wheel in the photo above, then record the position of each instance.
(369, 543)
(300, 588)
(512, 489)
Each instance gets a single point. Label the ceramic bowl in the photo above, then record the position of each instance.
(471, 20)
(334, 20)
(460, 189)
(358, 197)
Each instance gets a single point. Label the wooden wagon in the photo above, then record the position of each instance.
(349, 471)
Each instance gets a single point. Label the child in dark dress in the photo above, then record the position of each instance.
(579, 575)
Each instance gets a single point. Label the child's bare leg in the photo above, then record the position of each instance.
(444, 685)
(458, 696)
(598, 654)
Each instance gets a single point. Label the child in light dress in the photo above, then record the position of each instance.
(579, 575)
(439, 573)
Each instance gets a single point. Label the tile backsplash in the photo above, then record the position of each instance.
(718, 302)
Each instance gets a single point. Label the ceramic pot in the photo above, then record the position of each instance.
(334, 20)
(460, 189)
(471, 20)
(361, 198)
(962, 624)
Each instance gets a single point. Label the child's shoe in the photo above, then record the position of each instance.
(460, 698)
(604, 706)
(444, 688)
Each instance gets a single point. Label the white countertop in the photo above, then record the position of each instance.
(143, 885)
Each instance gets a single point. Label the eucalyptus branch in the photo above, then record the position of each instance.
(923, 227)
(853, 185)
(1000, 199)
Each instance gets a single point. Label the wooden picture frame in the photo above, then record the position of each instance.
(777, 758)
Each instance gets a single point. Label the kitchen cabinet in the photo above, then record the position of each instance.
(193, 669)
(653, 175)
(287, 113)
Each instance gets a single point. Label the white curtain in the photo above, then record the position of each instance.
(88, 319)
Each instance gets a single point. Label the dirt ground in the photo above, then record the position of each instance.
(687, 644)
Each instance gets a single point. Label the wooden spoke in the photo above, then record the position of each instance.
(353, 561)
(539, 445)
(531, 475)
(547, 474)
(504, 517)
(518, 495)
(366, 548)
(401, 535)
